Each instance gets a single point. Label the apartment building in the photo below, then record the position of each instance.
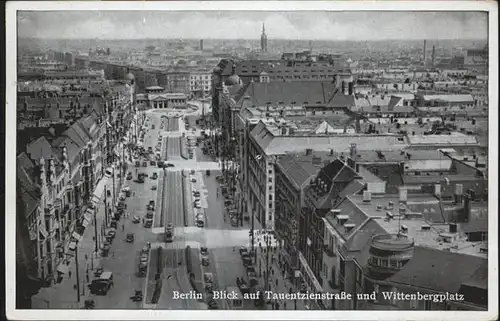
(200, 83)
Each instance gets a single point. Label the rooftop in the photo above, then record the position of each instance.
(422, 210)
(265, 134)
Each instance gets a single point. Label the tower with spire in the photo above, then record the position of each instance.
(263, 39)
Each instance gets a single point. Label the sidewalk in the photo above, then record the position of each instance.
(64, 295)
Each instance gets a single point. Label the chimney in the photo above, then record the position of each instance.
(367, 197)
(425, 49)
(353, 151)
(403, 195)
(437, 190)
(459, 191)
(433, 56)
(402, 210)
(467, 207)
(343, 87)
(309, 151)
(351, 88)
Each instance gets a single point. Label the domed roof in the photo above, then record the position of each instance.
(217, 70)
(130, 76)
(232, 80)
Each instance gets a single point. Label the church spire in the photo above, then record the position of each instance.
(263, 28)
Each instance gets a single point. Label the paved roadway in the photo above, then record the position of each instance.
(124, 257)
(173, 148)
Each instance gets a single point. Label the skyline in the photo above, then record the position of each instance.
(298, 25)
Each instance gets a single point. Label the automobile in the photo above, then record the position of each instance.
(153, 188)
(139, 180)
(144, 164)
(137, 164)
(196, 194)
(208, 277)
(136, 219)
(193, 172)
(149, 214)
(205, 261)
(170, 226)
(108, 172)
(243, 251)
(204, 250)
(152, 203)
(111, 233)
(129, 176)
(164, 116)
(193, 180)
(150, 149)
(130, 237)
(148, 223)
(247, 261)
(152, 163)
(196, 205)
(144, 258)
(208, 172)
(169, 165)
(154, 176)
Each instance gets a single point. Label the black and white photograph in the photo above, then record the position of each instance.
(258, 160)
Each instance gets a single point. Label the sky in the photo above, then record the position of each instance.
(317, 25)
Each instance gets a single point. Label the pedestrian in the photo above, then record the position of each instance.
(88, 279)
(123, 227)
(69, 274)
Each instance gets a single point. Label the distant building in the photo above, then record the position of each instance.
(200, 83)
(162, 100)
(263, 39)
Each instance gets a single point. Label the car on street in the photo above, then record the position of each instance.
(150, 149)
(196, 194)
(164, 116)
(204, 251)
(170, 226)
(154, 176)
(196, 205)
(112, 233)
(193, 180)
(144, 164)
(149, 214)
(144, 258)
(243, 251)
(148, 223)
(153, 188)
(208, 277)
(152, 163)
(129, 176)
(136, 219)
(130, 237)
(108, 172)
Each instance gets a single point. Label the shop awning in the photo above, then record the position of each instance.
(76, 236)
(85, 223)
(63, 268)
(72, 246)
(98, 195)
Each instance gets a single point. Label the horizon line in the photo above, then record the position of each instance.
(258, 39)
